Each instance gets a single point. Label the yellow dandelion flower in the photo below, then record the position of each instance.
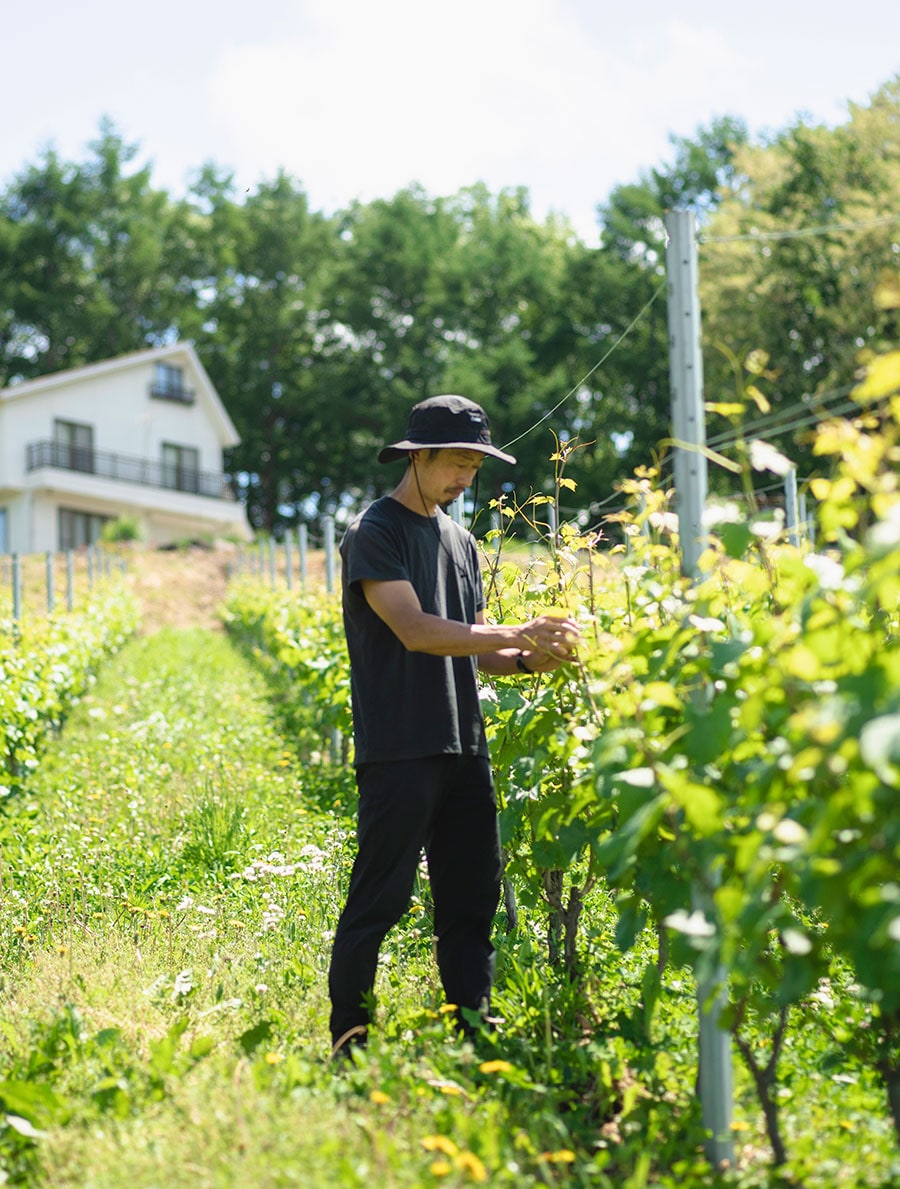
(447, 1087)
(495, 1067)
(469, 1162)
(274, 1058)
(416, 908)
(563, 1156)
(379, 1098)
(440, 1168)
(448, 1007)
(740, 1125)
(439, 1143)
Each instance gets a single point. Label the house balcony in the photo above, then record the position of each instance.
(128, 468)
(181, 396)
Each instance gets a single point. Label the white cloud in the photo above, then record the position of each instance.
(373, 97)
(355, 98)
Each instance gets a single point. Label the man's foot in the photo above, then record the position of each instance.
(353, 1038)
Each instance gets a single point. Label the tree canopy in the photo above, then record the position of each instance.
(320, 331)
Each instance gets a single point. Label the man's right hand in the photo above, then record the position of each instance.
(550, 637)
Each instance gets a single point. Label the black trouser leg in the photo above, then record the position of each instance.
(396, 802)
(446, 804)
(465, 866)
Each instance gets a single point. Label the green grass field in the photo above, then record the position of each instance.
(171, 878)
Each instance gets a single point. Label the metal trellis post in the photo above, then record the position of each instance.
(689, 431)
(17, 586)
(328, 536)
(790, 506)
(302, 547)
(51, 594)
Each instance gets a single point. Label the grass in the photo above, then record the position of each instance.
(171, 880)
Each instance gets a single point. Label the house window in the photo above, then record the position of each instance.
(77, 529)
(73, 446)
(4, 532)
(181, 467)
(168, 384)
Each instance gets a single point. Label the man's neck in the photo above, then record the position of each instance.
(408, 493)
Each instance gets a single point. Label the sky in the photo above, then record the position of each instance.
(359, 98)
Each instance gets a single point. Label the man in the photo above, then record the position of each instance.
(413, 607)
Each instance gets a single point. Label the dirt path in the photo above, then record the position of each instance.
(181, 588)
(185, 587)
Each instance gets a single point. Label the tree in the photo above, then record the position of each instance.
(801, 253)
(618, 290)
(264, 336)
(91, 257)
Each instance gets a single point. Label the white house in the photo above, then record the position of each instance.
(139, 436)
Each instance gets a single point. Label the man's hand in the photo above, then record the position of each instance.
(548, 642)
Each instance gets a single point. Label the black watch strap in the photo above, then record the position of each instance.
(522, 667)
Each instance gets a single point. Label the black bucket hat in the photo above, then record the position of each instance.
(445, 422)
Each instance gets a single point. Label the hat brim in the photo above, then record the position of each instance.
(400, 449)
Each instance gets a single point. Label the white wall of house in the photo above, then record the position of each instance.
(115, 400)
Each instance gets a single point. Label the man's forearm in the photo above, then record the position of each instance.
(448, 637)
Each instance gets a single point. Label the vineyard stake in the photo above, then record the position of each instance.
(790, 507)
(328, 534)
(689, 432)
(17, 587)
(51, 597)
(302, 546)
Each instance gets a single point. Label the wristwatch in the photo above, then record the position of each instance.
(521, 666)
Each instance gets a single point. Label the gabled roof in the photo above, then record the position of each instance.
(179, 353)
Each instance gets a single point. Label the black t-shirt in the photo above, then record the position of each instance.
(408, 704)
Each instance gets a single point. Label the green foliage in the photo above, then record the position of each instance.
(45, 666)
(123, 528)
(812, 301)
(299, 644)
(321, 330)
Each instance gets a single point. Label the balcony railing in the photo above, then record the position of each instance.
(181, 396)
(128, 468)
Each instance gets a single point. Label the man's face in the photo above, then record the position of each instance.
(446, 474)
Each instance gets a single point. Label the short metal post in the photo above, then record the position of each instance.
(50, 591)
(553, 525)
(302, 549)
(17, 586)
(288, 560)
(328, 536)
(273, 563)
(809, 528)
(790, 506)
(70, 580)
(90, 566)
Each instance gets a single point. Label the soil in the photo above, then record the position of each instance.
(182, 587)
(186, 587)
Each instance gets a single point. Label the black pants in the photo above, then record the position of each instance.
(445, 804)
